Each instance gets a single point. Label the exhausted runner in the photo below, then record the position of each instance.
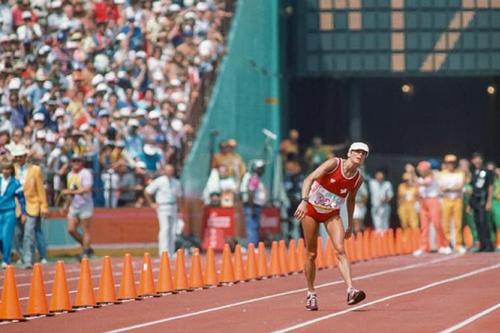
(332, 185)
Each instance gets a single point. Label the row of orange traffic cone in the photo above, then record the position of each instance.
(363, 246)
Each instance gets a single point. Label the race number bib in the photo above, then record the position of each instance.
(321, 198)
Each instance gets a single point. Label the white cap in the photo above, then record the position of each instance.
(56, 4)
(149, 149)
(176, 124)
(15, 84)
(97, 79)
(102, 87)
(59, 113)
(181, 107)
(140, 113)
(19, 151)
(41, 134)
(201, 6)
(174, 8)
(360, 146)
(155, 114)
(133, 122)
(39, 116)
(51, 137)
(121, 36)
(26, 14)
(157, 76)
(48, 85)
(140, 54)
(125, 112)
(110, 77)
(84, 127)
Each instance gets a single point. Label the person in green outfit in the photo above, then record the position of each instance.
(495, 209)
(468, 216)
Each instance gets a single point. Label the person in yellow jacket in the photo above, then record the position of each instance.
(407, 202)
(31, 178)
(451, 182)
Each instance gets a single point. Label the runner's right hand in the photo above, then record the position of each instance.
(300, 213)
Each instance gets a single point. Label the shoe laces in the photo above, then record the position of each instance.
(311, 300)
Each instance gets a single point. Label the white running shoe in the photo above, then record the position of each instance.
(4, 265)
(418, 253)
(43, 261)
(461, 250)
(445, 250)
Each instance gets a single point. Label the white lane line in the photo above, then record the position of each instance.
(471, 319)
(258, 299)
(380, 300)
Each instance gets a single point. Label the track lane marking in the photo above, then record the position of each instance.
(471, 319)
(383, 299)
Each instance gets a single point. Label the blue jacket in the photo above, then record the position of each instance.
(8, 199)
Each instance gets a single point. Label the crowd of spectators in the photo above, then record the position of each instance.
(114, 81)
(451, 195)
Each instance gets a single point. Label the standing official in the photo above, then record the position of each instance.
(167, 193)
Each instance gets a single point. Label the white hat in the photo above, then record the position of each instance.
(44, 50)
(140, 54)
(176, 124)
(360, 146)
(157, 76)
(59, 113)
(174, 8)
(48, 85)
(103, 113)
(15, 84)
(97, 79)
(26, 14)
(84, 127)
(155, 114)
(56, 4)
(19, 151)
(121, 36)
(110, 77)
(175, 82)
(102, 87)
(45, 98)
(40, 134)
(51, 137)
(190, 15)
(71, 44)
(125, 112)
(202, 6)
(181, 107)
(133, 122)
(140, 113)
(157, 7)
(40, 75)
(149, 149)
(39, 116)
(119, 2)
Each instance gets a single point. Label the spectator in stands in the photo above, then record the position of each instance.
(430, 210)
(232, 160)
(254, 197)
(289, 147)
(381, 194)
(407, 201)
(317, 153)
(80, 203)
(10, 190)
(495, 207)
(292, 183)
(31, 178)
(167, 193)
(481, 200)
(360, 208)
(126, 185)
(467, 215)
(451, 182)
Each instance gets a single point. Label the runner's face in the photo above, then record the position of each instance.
(358, 156)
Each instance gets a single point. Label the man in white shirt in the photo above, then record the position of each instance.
(381, 194)
(167, 193)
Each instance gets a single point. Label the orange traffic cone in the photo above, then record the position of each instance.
(390, 242)
(282, 258)
(358, 246)
(293, 265)
(239, 269)
(407, 240)
(196, 275)
(399, 241)
(227, 270)
(262, 272)
(275, 269)
(367, 255)
(211, 279)
(85, 291)
(252, 272)
(415, 239)
(349, 249)
(37, 304)
(165, 284)
(10, 309)
(127, 283)
(180, 278)
(468, 239)
(373, 244)
(301, 254)
(59, 301)
(498, 239)
(147, 282)
(330, 257)
(320, 257)
(106, 293)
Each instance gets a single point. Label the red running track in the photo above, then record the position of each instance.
(405, 294)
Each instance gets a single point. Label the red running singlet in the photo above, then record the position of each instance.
(329, 192)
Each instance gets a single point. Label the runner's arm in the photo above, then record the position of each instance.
(351, 200)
